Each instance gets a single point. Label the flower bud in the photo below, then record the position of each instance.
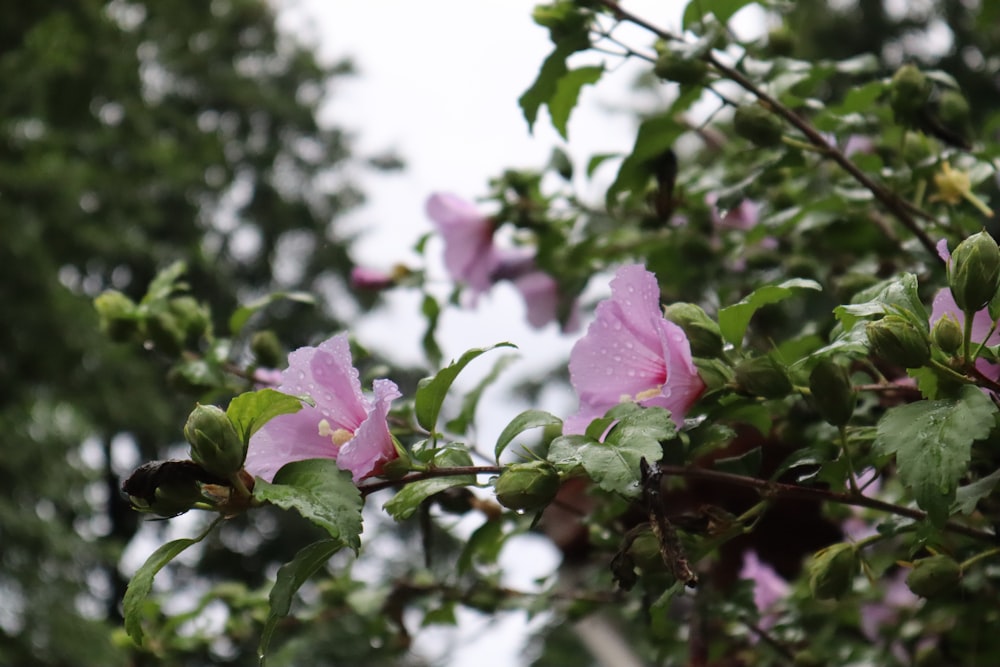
(763, 376)
(833, 392)
(908, 93)
(758, 125)
(674, 67)
(118, 315)
(215, 445)
(167, 488)
(702, 332)
(898, 341)
(527, 486)
(947, 334)
(193, 318)
(832, 570)
(715, 373)
(974, 272)
(934, 575)
(953, 109)
(165, 332)
(267, 349)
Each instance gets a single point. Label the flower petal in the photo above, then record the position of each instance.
(372, 446)
(327, 375)
(469, 254)
(287, 438)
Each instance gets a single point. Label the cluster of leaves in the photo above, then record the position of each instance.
(794, 235)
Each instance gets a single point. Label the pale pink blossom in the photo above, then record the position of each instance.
(469, 253)
(363, 277)
(345, 424)
(769, 588)
(631, 353)
(473, 259)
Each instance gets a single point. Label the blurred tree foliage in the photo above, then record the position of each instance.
(135, 134)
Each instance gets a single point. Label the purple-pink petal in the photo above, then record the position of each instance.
(469, 253)
(344, 424)
(631, 353)
(769, 588)
(372, 446)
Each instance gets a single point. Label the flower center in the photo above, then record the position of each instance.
(337, 436)
(642, 395)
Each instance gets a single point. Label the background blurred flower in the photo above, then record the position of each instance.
(631, 353)
(469, 253)
(769, 588)
(344, 424)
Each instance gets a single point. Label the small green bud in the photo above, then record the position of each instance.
(833, 392)
(763, 376)
(832, 570)
(119, 315)
(672, 66)
(215, 445)
(909, 92)
(781, 41)
(192, 317)
(899, 341)
(164, 330)
(715, 373)
(267, 349)
(757, 125)
(702, 332)
(527, 486)
(947, 334)
(934, 575)
(953, 109)
(974, 272)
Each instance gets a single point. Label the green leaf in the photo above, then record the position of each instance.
(431, 391)
(932, 441)
(520, 424)
(322, 493)
(142, 581)
(568, 92)
(253, 409)
(898, 295)
(289, 580)
(723, 10)
(471, 401)
(733, 320)
(655, 137)
(547, 83)
(484, 547)
(614, 464)
(967, 496)
(165, 283)
(242, 314)
(431, 310)
(406, 501)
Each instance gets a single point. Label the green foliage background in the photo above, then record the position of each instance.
(140, 133)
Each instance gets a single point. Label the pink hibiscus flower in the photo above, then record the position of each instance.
(631, 353)
(345, 424)
(472, 258)
(469, 253)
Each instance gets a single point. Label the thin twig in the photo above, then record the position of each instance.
(903, 211)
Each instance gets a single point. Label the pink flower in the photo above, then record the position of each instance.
(469, 253)
(344, 425)
(472, 258)
(363, 277)
(266, 377)
(631, 353)
(768, 587)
